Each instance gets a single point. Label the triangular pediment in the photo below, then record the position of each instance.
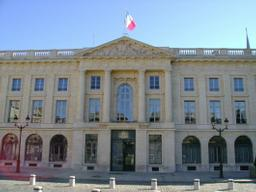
(124, 47)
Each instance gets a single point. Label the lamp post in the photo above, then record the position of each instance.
(20, 126)
(220, 130)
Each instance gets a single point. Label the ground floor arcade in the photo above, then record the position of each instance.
(140, 150)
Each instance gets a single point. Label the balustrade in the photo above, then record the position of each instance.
(179, 52)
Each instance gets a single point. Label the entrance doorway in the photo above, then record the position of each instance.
(123, 150)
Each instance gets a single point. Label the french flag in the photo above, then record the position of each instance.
(129, 22)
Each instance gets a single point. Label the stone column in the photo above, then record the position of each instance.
(168, 96)
(107, 96)
(49, 103)
(81, 98)
(227, 99)
(251, 113)
(202, 100)
(141, 100)
(26, 98)
(141, 150)
(3, 98)
(204, 153)
(230, 152)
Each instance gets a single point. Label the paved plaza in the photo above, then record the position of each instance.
(57, 180)
(17, 186)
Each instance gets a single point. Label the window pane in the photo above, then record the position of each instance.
(215, 111)
(154, 110)
(191, 152)
(39, 84)
(189, 112)
(238, 84)
(61, 111)
(217, 150)
(33, 151)
(91, 141)
(16, 84)
(155, 149)
(214, 84)
(154, 82)
(124, 103)
(37, 111)
(240, 112)
(188, 84)
(14, 110)
(94, 110)
(243, 150)
(95, 82)
(63, 84)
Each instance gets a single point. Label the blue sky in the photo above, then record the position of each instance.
(50, 24)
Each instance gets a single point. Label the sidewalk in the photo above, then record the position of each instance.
(62, 175)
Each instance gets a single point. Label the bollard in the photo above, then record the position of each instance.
(72, 181)
(196, 184)
(230, 184)
(38, 189)
(95, 190)
(112, 183)
(154, 184)
(32, 179)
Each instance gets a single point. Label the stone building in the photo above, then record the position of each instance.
(128, 106)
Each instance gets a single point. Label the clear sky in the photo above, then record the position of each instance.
(50, 24)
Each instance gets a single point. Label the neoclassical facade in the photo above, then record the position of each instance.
(128, 106)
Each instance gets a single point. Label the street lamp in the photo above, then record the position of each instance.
(20, 126)
(220, 130)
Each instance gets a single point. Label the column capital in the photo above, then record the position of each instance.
(82, 70)
(108, 70)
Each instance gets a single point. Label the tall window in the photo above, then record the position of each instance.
(243, 150)
(63, 84)
(95, 82)
(190, 112)
(61, 111)
(124, 103)
(217, 150)
(189, 84)
(91, 142)
(33, 151)
(238, 85)
(214, 84)
(37, 111)
(39, 84)
(154, 110)
(14, 110)
(240, 111)
(16, 84)
(94, 110)
(154, 82)
(58, 148)
(191, 150)
(215, 111)
(9, 147)
(155, 149)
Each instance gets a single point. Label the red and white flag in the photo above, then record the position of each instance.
(129, 22)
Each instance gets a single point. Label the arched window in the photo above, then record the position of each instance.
(58, 148)
(243, 150)
(33, 151)
(124, 103)
(217, 150)
(9, 147)
(191, 150)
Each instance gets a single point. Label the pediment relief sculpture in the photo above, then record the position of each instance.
(124, 48)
